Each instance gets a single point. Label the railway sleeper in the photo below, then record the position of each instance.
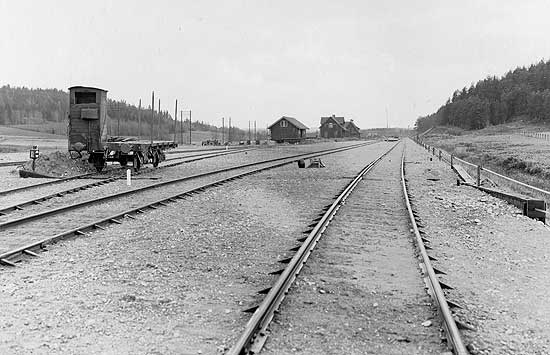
(7, 262)
(30, 253)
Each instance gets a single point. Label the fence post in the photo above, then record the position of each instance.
(478, 175)
(451, 161)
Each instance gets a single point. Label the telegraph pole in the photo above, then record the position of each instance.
(181, 126)
(175, 120)
(190, 127)
(152, 115)
(139, 119)
(158, 122)
(249, 131)
(229, 131)
(255, 135)
(223, 130)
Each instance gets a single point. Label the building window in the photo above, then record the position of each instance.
(284, 123)
(85, 98)
(330, 125)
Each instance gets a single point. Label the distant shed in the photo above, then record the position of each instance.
(287, 129)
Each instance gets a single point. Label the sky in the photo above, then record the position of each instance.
(380, 63)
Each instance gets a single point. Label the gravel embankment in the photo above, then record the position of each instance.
(495, 258)
(361, 291)
(176, 279)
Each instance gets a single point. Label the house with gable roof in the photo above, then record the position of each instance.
(337, 127)
(287, 129)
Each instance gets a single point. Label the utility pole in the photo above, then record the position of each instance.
(255, 135)
(223, 130)
(152, 115)
(249, 138)
(387, 120)
(181, 126)
(229, 131)
(139, 119)
(190, 127)
(175, 120)
(158, 122)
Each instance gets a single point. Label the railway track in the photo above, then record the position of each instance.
(115, 175)
(12, 163)
(394, 335)
(21, 237)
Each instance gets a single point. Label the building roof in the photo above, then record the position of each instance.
(350, 124)
(86, 87)
(292, 121)
(339, 120)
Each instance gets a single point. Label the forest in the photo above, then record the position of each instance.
(523, 92)
(21, 106)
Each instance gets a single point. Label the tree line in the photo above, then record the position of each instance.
(27, 106)
(492, 101)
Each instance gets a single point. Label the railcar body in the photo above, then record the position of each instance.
(87, 131)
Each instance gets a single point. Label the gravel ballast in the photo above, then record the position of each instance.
(178, 279)
(495, 258)
(361, 291)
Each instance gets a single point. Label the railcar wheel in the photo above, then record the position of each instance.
(136, 162)
(155, 159)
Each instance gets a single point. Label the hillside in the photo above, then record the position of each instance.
(523, 92)
(45, 110)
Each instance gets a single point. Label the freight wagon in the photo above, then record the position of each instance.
(87, 132)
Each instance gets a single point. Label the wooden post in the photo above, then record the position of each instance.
(190, 127)
(158, 122)
(139, 119)
(181, 126)
(223, 130)
(229, 131)
(255, 134)
(478, 175)
(440, 154)
(249, 138)
(152, 115)
(175, 120)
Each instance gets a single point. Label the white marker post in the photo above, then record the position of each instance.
(128, 177)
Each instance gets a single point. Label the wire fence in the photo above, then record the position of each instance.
(486, 177)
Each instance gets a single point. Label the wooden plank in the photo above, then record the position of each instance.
(463, 174)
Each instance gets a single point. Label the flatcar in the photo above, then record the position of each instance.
(87, 132)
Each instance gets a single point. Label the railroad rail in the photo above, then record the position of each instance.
(103, 181)
(454, 338)
(254, 335)
(8, 257)
(12, 163)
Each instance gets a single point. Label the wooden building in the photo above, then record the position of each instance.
(287, 129)
(352, 130)
(337, 127)
(87, 118)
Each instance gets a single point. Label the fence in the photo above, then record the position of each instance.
(483, 176)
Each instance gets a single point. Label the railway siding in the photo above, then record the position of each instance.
(177, 280)
(495, 258)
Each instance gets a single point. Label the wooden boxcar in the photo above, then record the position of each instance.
(87, 132)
